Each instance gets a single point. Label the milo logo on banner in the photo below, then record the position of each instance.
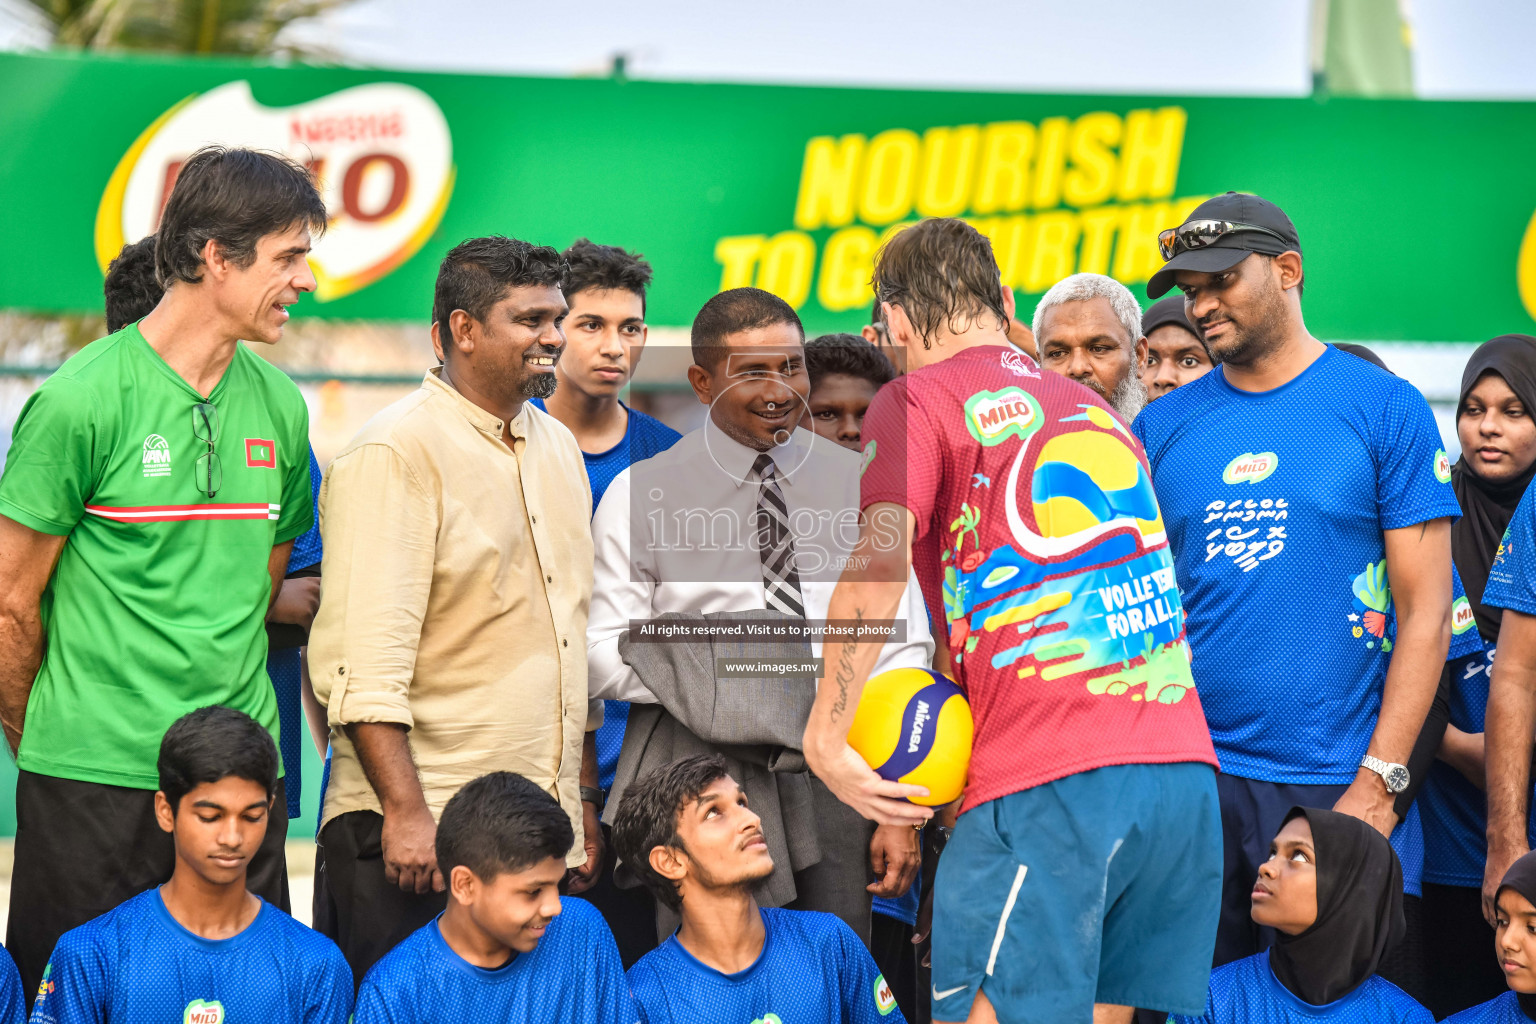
(380, 153)
(994, 416)
(1249, 468)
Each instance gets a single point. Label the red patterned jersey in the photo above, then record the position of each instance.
(1040, 548)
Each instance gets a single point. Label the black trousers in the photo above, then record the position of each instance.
(1461, 969)
(82, 848)
(356, 907)
(1405, 963)
(891, 946)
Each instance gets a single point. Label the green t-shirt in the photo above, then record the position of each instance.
(158, 603)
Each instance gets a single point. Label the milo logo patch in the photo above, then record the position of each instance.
(994, 416)
(200, 1012)
(1461, 616)
(869, 456)
(1442, 467)
(885, 999)
(1249, 468)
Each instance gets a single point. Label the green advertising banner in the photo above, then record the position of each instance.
(1416, 217)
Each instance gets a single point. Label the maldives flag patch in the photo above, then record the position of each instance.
(260, 454)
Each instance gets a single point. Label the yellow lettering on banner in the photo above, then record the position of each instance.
(1098, 239)
(1051, 155)
(1002, 181)
(846, 265)
(1092, 149)
(1137, 257)
(949, 168)
(785, 266)
(1052, 249)
(1008, 245)
(1149, 157)
(826, 182)
(1525, 268)
(890, 174)
(737, 257)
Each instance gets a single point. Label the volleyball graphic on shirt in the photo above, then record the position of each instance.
(915, 726)
(1085, 594)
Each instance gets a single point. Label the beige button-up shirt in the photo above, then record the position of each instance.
(454, 596)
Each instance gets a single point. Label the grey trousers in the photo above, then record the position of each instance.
(836, 883)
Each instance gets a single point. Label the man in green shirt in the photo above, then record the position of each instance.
(153, 489)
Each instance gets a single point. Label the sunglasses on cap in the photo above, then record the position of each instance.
(1197, 234)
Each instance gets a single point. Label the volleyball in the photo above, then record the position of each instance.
(915, 726)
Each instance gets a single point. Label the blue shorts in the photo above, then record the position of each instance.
(1102, 887)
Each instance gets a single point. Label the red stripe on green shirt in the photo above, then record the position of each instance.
(180, 513)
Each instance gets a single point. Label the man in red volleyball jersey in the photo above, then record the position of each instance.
(1085, 869)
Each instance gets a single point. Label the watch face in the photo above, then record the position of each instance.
(1397, 779)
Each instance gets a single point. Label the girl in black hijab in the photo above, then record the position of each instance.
(1333, 891)
(1514, 945)
(1496, 424)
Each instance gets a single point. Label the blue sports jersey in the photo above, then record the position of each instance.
(1503, 1010)
(572, 976)
(1455, 811)
(1511, 579)
(644, 436)
(902, 908)
(813, 970)
(283, 665)
(13, 1004)
(1247, 992)
(136, 964)
(1275, 503)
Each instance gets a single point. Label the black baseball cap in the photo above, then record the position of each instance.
(1167, 311)
(1230, 250)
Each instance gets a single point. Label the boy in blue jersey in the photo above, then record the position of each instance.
(1295, 482)
(506, 949)
(201, 949)
(686, 832)
(604, 337)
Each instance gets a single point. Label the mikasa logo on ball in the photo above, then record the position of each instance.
(919, 720)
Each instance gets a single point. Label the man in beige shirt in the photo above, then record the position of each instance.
(450, 640)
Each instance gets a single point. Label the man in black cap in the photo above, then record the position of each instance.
(1176, 354)
(1295, 480)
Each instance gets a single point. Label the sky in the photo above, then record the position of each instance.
(1464, 48)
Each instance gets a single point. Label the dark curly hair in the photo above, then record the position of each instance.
(131, 289)
(476, 274)
(589, 265)
(648, 815)
(849, 355)
(501, 823)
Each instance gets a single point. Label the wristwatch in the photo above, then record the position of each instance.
(593, 795)
(1394, 776)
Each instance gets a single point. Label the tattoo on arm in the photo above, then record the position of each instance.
(845, 670)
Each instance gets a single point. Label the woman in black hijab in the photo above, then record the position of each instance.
(1514, 946)
(1496, 425)
(1333, 891)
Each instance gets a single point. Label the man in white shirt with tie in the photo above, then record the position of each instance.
(747, 513)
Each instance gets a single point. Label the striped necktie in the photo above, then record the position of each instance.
(781, 583)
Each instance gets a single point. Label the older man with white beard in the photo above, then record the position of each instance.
(1088, 328)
